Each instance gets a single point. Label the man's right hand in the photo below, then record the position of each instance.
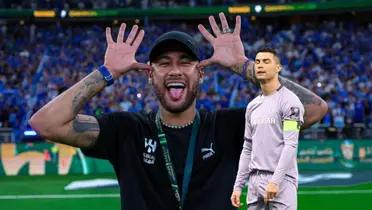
(120, 55)
(235, 198)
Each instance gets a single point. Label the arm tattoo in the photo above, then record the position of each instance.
(78, 102)
(81, 125)
(89, 88)
(306, 96)
(85, 130)
(250, 72)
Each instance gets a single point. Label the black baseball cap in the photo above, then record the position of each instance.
(174, 40)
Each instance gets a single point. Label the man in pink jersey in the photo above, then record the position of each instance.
(268, 159)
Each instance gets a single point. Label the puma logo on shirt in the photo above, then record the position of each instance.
(207, 152)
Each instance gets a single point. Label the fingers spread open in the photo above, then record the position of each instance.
(208, 36)
(132, 35)
(120, 38)
(138, 39)
(237, 25)
(214, 26)
(224, 23)
(108, 36)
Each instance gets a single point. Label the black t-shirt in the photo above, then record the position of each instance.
(129, 141)
(178, 142)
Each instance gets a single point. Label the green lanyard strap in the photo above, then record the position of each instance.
(189, 159)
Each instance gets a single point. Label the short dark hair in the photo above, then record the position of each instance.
(269, 50)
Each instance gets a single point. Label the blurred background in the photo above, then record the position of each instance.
(47, 46)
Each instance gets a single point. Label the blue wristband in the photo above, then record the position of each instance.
(107, 76)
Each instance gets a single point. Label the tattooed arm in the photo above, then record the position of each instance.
(315, 107)
(228, 51)
(59, 120)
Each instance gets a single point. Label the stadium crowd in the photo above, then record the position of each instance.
(333, 59)
(98, 4)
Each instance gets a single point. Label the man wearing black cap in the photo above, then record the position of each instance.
(178, 157)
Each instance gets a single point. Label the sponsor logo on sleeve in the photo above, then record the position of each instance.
(294, 113)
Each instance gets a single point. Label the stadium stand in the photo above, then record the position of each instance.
(97, 4)
(39, 61)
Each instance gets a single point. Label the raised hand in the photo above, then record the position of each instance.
(227, 45)
(120, 55)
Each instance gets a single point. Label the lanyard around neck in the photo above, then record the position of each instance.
(189, 159)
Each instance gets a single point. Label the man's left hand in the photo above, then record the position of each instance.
(227, 44)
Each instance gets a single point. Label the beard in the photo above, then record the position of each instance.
(184, 105)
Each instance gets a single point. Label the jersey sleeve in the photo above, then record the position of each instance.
(293, 111)
(244, 161)
(247, 126)
(292, 119)
(245, 156)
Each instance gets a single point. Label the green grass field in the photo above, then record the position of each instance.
(47, 193)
